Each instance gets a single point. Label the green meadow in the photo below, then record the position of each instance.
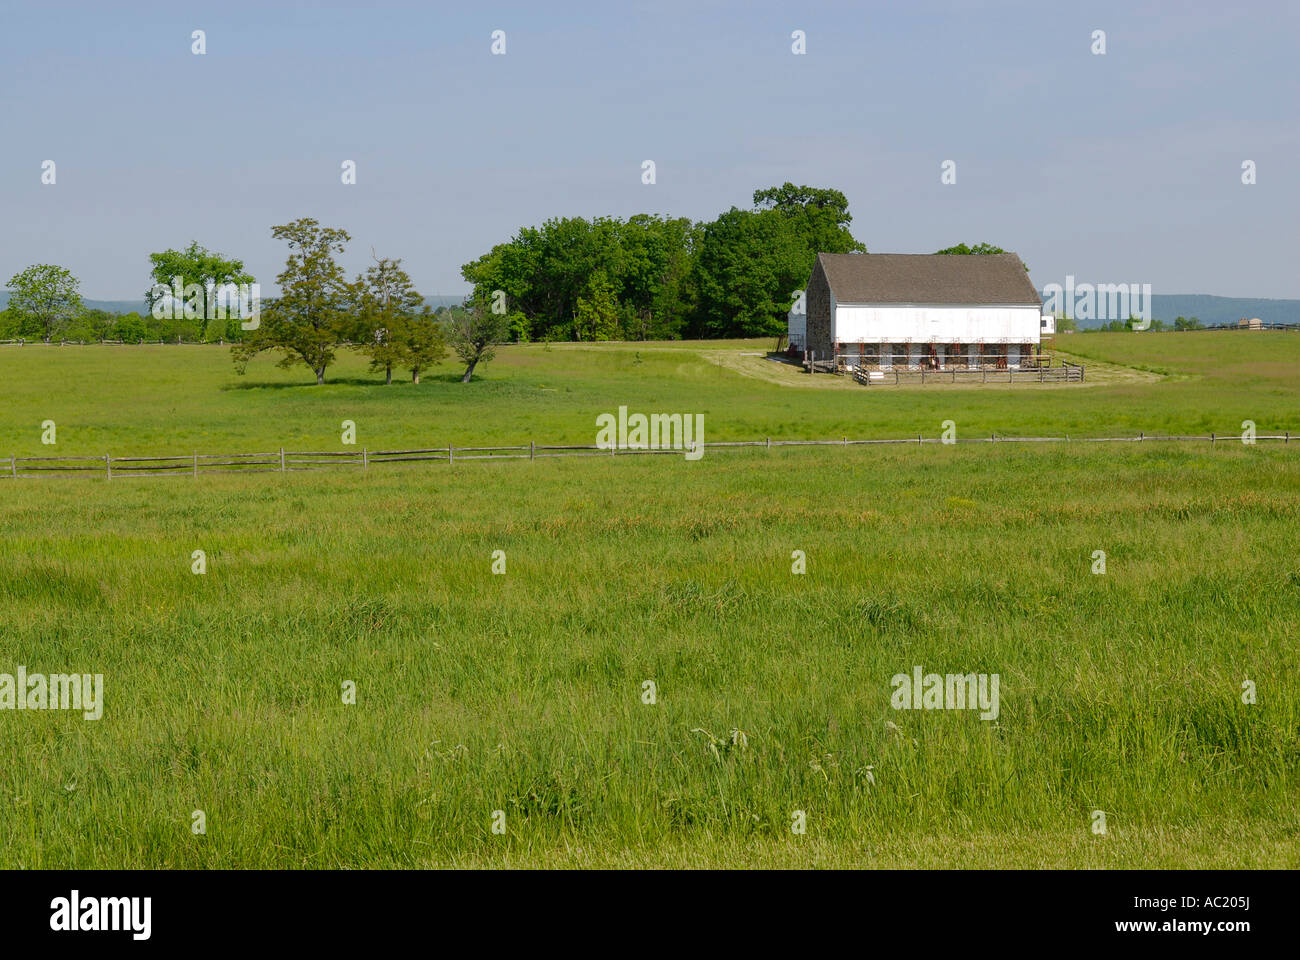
(518, 700)
(145, 400)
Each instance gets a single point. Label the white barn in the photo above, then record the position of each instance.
(919, 311)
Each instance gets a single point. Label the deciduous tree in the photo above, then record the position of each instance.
(308, 320)
(389, 303)
(44, 300)
(210, 271)
(474, 334)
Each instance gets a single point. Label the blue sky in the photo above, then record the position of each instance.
(1117, 168)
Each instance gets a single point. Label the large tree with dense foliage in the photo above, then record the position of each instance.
(655, 292)
(978, 250)
(312, 315)
(750, 263)
(652, 277)
(210, 271)
(44, 301)
(819, 216)
(641, 267)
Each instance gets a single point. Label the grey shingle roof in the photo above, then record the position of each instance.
(998, 278)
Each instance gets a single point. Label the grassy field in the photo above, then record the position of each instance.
(128, 400)
(522, 692)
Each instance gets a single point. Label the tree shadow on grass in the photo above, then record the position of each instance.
(450, 377)
(310, 384)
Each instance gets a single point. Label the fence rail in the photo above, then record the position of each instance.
(287, 461)
(1069, 373)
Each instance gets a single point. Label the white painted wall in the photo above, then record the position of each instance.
(797, 326)
(923, 323)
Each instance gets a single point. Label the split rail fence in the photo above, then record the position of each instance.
(285, 461)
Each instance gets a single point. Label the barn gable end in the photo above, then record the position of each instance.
(817, 302)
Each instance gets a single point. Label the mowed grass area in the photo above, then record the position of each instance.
(144, 400)
(523, 693)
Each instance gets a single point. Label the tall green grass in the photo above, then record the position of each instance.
(523, 692)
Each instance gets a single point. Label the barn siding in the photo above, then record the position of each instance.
(929, 323)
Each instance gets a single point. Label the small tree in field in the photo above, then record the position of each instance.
(425, 344)
(308, 320)
(474, 335)
(44, 300)
(389, 304)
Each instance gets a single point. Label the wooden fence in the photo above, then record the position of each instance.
(1069, 373)
(285, 461)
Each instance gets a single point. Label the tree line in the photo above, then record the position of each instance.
(318, 311)
(654, 278)
(379, 312)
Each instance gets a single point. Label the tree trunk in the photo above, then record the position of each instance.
(320, 376)
(415, 376)
(388, 375)
(469, 371)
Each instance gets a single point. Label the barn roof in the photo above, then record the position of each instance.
(998, 278)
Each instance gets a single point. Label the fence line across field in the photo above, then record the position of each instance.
(291, 461)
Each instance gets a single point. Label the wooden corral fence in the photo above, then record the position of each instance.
(285, 461)
(1068, 373)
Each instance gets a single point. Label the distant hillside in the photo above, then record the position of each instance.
(1211, 310)
(126, 306)
(112, 306)
(437, 301)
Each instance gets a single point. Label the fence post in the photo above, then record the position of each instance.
(108, 466)
(769, 443)
(532, 449)
(196, 463)
(451, 454)
(1288, 437)
(1211, 436)
(1141, 436)
(282, 459)
(13, 465)
(365, 458)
